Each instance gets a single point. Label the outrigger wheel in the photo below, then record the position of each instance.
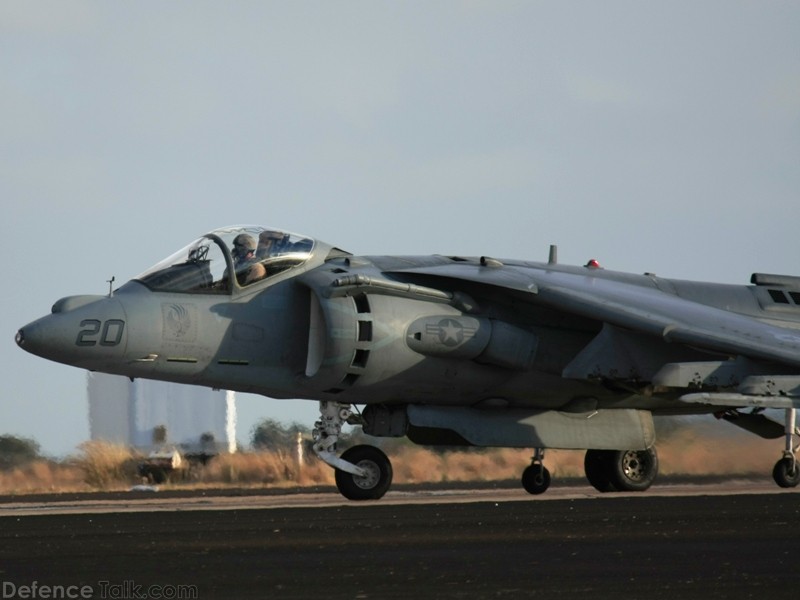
(378, 476)
(536, 479)
(786, 472)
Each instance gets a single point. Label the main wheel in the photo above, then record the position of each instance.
(786, 472)
(536, 479)
(633, 470)
(378, 476)
(596, 465)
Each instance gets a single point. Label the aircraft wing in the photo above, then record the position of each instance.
(634, 307)
(741, 400)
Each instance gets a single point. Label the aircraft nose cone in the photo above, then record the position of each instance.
(80, 331)
(30, 338)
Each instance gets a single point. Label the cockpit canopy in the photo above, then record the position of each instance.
(253, 253)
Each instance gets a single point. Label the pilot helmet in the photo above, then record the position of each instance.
(242, 244)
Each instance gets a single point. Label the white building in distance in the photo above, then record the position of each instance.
(152, 415)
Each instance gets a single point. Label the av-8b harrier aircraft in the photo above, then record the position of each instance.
(449, 349)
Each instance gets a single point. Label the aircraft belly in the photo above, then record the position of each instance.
(603, 430)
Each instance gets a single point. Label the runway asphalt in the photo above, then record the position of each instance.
(487, 544)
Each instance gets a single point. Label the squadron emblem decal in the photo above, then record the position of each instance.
(179, 322)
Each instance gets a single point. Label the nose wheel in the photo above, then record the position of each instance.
(377, 474)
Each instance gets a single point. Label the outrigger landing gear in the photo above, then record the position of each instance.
(362, 472)
(536, 477)
(787, 472)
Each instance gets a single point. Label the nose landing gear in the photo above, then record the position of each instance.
(362, 472)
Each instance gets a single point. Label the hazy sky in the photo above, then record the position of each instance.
(654, 136)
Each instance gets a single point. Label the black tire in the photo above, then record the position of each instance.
(375, 484)
(536, 479)
(596, 466)
(633, 470)
(786, 472)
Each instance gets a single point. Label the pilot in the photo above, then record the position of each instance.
(270, 243)
(248, 269)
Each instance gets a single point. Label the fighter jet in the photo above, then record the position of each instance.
(455, 350)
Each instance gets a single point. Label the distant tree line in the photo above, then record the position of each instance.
(17, 451)
(274, 436)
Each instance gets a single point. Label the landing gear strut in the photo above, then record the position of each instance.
(787, 472)
(362, 472)
(536, 477)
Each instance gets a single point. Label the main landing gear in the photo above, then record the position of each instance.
(621, 470)
(363, 472)
(787, 471)
(606, 470)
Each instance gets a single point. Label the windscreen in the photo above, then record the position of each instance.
(200, 267)
(255, 254)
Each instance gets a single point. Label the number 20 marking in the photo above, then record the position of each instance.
(108, 333)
